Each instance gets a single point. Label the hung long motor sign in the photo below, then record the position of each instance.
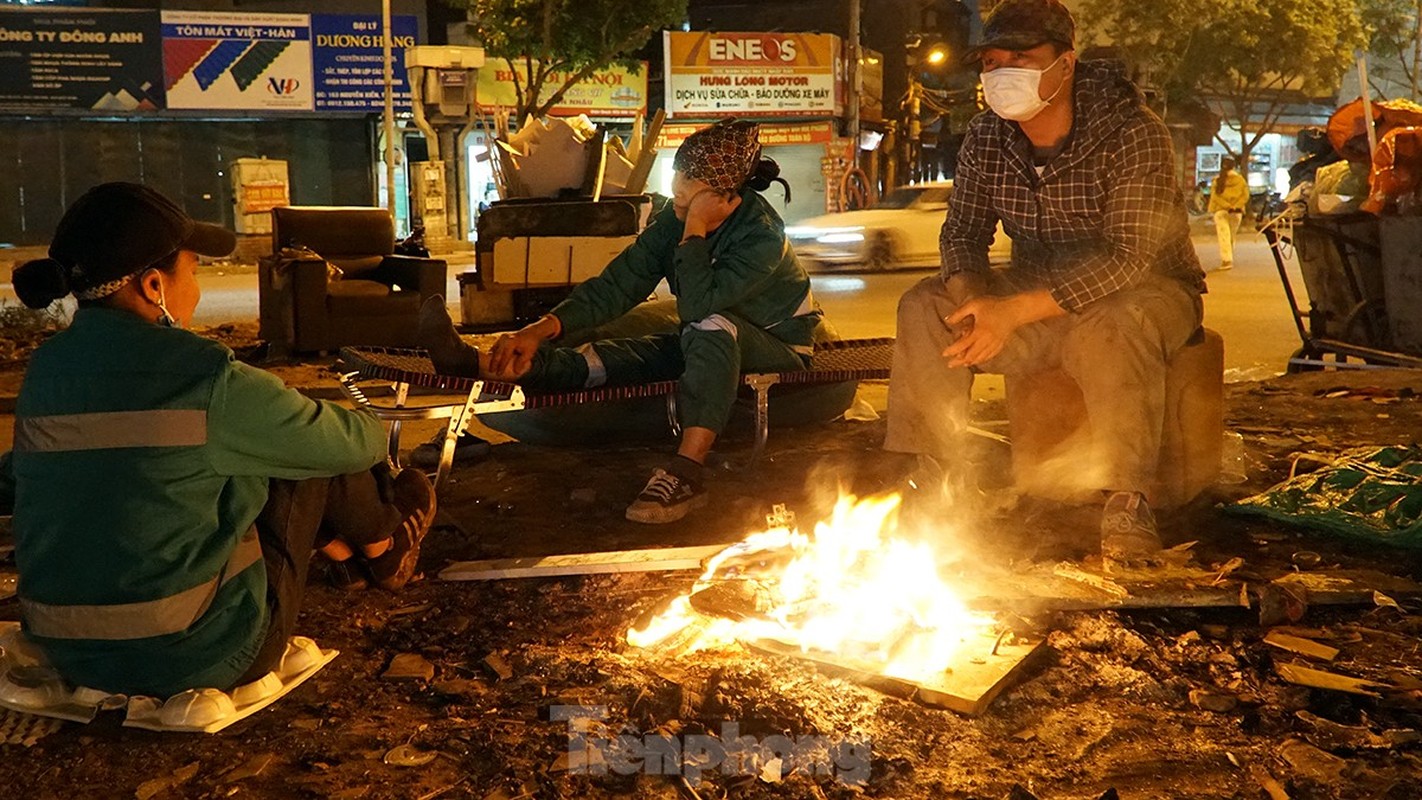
(714, 74)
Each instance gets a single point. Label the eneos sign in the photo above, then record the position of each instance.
(714, 74)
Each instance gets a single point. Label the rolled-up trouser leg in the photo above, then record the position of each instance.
(717, 350)
(1117, 350)
(928, 400)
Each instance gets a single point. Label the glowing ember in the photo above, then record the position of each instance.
(853, 590)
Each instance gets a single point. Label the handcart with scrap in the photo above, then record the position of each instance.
(1355, 241)
(1340, 261)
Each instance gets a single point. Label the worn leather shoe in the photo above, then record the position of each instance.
(450, 354)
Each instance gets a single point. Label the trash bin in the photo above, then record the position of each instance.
(1402, 281)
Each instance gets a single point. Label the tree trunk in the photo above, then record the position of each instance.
(1416, 46)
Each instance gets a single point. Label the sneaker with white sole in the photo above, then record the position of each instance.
(415, 497)
(1128, 530)
(665, 498)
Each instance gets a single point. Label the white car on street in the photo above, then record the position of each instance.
(898, 232)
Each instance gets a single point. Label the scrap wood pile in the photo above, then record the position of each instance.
(1199, 699)
(571, 157)
(1231, 672)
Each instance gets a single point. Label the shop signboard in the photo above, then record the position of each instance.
(673, 135)
(607, 93)
(348, 61)
(80, 58)
(715, 74)
(242, 62)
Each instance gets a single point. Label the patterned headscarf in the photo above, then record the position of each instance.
(723, 155)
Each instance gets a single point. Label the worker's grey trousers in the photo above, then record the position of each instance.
(1116, 349)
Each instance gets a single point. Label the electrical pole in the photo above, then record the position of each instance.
(1416, 46)
(389, 121)
(856, 75)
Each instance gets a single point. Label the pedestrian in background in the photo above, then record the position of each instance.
(1229, 194)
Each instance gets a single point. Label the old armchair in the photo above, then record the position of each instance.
(333, 279)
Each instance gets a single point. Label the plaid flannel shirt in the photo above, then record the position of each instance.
(1105, 213)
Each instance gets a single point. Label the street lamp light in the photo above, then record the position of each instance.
(936, 56)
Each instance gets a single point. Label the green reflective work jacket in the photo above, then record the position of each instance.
(745, 267)
(141, 461)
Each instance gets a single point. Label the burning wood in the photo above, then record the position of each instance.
(854, 596)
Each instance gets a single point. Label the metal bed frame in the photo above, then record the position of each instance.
(833, 362)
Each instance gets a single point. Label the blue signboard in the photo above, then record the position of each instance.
(347, 61)
(80, 58)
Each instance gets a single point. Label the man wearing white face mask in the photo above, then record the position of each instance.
(1104, 281)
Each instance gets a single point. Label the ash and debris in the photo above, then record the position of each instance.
(461, 690)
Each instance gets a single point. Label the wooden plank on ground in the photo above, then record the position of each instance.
(1350, 586)
(1043, 588)
(1300, 675)
(983, 670)
(1298, 645)
(668, 559)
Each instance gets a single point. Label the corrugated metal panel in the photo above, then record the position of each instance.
(218, 61)
(251, 66)
(46, 163)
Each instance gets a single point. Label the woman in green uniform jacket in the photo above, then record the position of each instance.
(166, 497)
(742, 299)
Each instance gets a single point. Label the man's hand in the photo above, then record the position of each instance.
(986, 322)
(983, 325)
(512, 355)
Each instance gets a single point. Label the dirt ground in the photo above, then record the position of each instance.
(1152, 704)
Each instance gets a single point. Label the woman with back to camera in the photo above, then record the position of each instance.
(167, 498)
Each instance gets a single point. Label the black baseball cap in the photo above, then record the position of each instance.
(116, 229)
(1024, 24)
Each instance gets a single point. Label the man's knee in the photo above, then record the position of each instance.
(922, 300)
(1112, 333)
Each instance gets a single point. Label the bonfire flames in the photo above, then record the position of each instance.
(854, 590)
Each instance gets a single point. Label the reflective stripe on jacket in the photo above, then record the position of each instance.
(142, 457)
